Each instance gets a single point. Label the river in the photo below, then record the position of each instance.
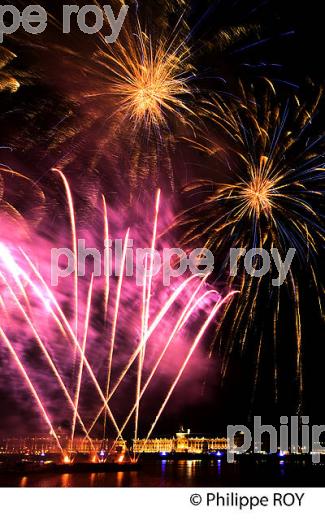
(183, 473)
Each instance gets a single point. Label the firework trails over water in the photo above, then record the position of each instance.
(196, 130)
(139, 324)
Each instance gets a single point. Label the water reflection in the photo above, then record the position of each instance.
(119, 478)
(67, 479)
(186, 473)
(23, 482)
(192, 466)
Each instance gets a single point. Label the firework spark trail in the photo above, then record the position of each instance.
(148, 334)
(140, 357)
(189, 312)
(7, 259)
(180, 323)
(115, 319)
(3, 305)
(20, 366)
(151, 264)
(153, 326)
(152, 253)
(74, 244)
(16, 272)
(47, 355)
(191, 352)
(46, 302)
(82, 360)
(74, 339)
(106, 243)
(186, 314)
(147, 287)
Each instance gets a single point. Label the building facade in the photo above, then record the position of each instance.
(39, 444)
(183, 442)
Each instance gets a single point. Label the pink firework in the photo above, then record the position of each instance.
(99, 351)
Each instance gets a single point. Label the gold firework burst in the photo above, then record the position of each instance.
(272, 202)
(132, 104)
(150, 81)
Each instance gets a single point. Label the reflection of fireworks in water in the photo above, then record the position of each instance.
(31, 310)
(274, 201)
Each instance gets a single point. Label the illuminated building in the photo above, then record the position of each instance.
(184, 442)
(38, 444)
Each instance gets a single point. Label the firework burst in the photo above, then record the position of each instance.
(273, 201)
(150, 80)
(132, 101)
